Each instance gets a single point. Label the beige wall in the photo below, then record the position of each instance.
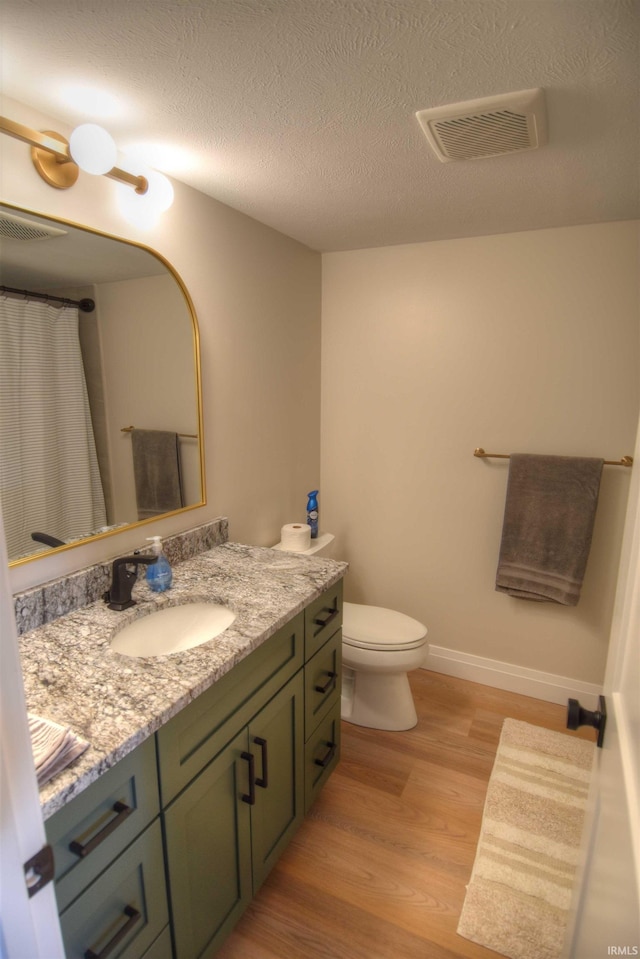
(523, 343)
(257, 297)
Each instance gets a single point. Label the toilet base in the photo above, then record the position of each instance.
(378, 700)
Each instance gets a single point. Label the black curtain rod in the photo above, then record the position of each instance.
(85, 305)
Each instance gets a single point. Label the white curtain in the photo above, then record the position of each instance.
(49, 476)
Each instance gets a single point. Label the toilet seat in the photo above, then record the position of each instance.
(374, 627)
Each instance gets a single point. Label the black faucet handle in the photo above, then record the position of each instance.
(123, 579)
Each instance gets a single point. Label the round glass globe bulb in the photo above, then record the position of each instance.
(159, 192)
(93, 149)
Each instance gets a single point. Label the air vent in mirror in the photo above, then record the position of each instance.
(16, 228)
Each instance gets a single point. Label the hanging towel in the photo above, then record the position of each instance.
(156, 469)
(548, 523)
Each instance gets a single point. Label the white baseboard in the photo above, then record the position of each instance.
(515, 679)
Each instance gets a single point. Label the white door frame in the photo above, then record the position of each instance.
(29, 927)
(605, 918)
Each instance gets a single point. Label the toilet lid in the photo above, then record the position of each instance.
(373, 627)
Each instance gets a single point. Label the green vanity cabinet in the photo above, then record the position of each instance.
(161, 855)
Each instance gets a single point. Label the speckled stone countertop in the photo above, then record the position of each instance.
(115, 702)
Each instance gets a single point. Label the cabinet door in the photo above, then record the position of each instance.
(208, 844)
(276, 740)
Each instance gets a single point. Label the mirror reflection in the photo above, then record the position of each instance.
(100, 409)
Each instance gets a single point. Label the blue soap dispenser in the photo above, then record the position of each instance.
(312, 512)
(159, 575)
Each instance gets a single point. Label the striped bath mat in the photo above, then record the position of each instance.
(518, 899)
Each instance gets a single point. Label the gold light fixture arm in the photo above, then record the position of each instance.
(139, 183)
(51, 142)
(52, 159)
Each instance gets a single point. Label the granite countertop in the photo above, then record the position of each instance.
(115, 702)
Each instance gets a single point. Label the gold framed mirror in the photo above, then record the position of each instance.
(137, 355)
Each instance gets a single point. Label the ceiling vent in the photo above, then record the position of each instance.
(489, 127)
(17, 228)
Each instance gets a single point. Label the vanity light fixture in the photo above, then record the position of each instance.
(89, 148)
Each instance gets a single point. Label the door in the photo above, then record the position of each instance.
(29, 928)
(606, 916)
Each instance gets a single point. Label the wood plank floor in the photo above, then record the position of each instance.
(378, 868)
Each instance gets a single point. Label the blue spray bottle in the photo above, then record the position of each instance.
(312, 512)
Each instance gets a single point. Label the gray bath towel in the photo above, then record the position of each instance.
(156, 469)
(548, 523)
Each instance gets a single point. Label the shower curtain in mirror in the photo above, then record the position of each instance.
(49, 476)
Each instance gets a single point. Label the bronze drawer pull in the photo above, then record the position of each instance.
(325, 622)
(118, 807)
(329, 683)
(328, 756)
(133, 915)
(264, 780)
(250, 797)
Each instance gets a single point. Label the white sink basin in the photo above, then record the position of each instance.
(172, 629)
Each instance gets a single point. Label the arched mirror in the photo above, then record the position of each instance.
(100, 394)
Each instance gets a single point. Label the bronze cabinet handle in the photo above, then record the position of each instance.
(264, 780)
(326, 759)
(133, 915)
(81, 850)
(250, 797)
(325, 622)
(329, 683)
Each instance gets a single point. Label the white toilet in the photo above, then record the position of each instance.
(379, 647)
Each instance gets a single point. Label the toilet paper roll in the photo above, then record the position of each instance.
(295, 537)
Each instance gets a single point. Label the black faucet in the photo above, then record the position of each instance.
(48, 540)
(123, 580)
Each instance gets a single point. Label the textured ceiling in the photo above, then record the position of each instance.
(301, 113)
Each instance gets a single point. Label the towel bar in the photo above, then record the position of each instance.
(625, 461)
(190, 436)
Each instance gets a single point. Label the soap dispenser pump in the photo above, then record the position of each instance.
(159, 574)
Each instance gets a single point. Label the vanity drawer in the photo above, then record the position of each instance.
(323, 681)
(321, 619)
(198, 733)
(91, 830)
(322, 753)
(124, 911)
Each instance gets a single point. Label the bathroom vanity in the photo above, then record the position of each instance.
(163, 833)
